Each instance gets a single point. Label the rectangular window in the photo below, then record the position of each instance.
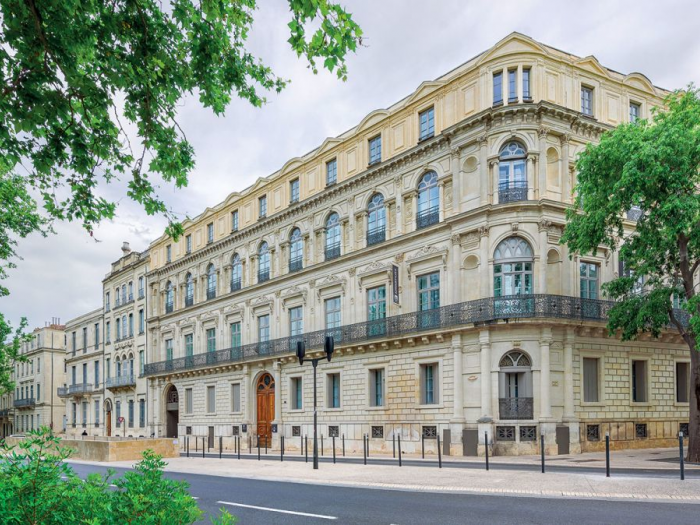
(375, 149)
(168, 349)
(589, 273)
(426, 120)
(188, 243)
(211, 340)
(38, 365)
(236, 397)
(376, 311)
(332, 307)
(38, 393)
(141, 290)
(428, 291)
(331, 172)
(234, 220)
(512, 85)
(211, 399)
(108, 367)
(587, 100)
(235, 335)
(296, 321)
(85, 373)
(682, 382)
(142, 321)
(97, 336)
(85, 412)
(526, 85)
(428, 376)
(263, 328)
(635, 110)
(189, 345)
(262, 206)
(210, 233)
(296, 394)
(142, 362)
(97, 373)
(498, 88)
(333, 382)
(376, 387)
(74, 339)
(168, 253)
(108, 334)
(639, 381)
(107, 302)
(188, 400)
(142, 413)
(590, 379)
(97, 413)
(294, 191)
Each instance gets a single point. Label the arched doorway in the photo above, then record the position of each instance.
(515, 386)
(265, 389)
(172, 412)
(108, 417)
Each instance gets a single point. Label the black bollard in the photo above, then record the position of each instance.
(334, 450)
(265, 445)
(393, 445)
(258, 448)
(542, 450)
(399, 450)
(301, 444)
(250, 439)
(281, 448)
(422, 446)
(364, 448)
(367, 445)
(343, 445)
(239, 447)
(187, 445)
(486, 448)
(203, 447)
(306, 448)
(321, 445)
(607, 454)
(439, 452)
(196, 444)
(220, 446)
(680, 447)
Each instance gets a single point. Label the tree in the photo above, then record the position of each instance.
(653, 167)
(76, 72)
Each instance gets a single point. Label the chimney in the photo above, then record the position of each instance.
(125, 248)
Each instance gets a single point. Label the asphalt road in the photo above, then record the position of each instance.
(271, 503)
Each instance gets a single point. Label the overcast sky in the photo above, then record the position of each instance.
(407, 42)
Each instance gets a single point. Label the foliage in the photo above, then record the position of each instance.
(37, 487)
(10, 343)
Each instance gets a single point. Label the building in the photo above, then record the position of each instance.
(7, 413)
(425, 240)
(83, 390)
(125, 307)
(36, 402)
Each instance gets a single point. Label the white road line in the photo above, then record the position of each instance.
(194, 497)
(321, 516)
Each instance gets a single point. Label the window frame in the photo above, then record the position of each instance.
(329, 394)
(296, 387)
(234, 220)
(374, 150)
(437, 382)
(208, 389)
(633, 358)
(676, 362)
(262, 206)
(497, 95)
(585, 88)
(638, 106)
(332, 172)
(588, 279)
(526, 80)
(210, 233)
(239, 409)
(189, 400)
(512, 85)
(294, 191)
(429, 132)
(372, 388)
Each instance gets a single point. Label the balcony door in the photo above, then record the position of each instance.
(515, 387)
(265, 389)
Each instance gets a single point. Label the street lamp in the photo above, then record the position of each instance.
(328, 347)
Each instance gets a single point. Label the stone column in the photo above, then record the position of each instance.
(485, 280)
(565, 174)
(252, 279)
(531, 177)
(284, 258)
(249, 412)
(569, 375)
(346, 226)
(360, 237)
(457, 180)
(411, 209)
(398, 204)
(441, 189)
(485, 352)
(308, 250)
(545, 374)
(454, 280)
(458, 408)
(494, 179)
(277, 374)
(543, 226)
(483, 170)
(542, 164)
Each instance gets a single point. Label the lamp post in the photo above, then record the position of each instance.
(328, 348)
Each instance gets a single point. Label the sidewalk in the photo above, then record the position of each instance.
(529, 483)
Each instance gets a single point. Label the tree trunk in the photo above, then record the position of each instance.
(694, 406)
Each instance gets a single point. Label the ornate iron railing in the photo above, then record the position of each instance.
(62, 391)
(263, 275)
(296, 264)
(512, 192)
(28, 402)
(80, 388)
(332, 251)
(452, 316)
(168, 307)
(376, 235)
(122, 381)
(211, 293)
(427, 217)
(515, 408)
(236, 285)
(189, 300)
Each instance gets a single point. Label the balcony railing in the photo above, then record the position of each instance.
(236, 285)
(123, 381)
(124, 302)
(211, 293)
(296, 264)
(634, 213)
(168, 308)
(427, 217)
(263, 275)
(28, 402)
(4, 412)
(189, 300)
(515, 408)
(80, 388)
(452, 316)
(62, 391)
(512, 192)
(376, 235)
(332, 251)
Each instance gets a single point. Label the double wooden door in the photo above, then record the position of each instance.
(266, 408)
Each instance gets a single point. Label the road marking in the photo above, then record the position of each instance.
(321, 516)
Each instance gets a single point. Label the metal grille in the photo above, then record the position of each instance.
(512, 192)
(332, 251)
(515, 407)
(593, 432)
(376, 236)
(296, 431)
(430, 432)
(427, 218)
(640, 430)
(377, 431)
(263, 275)
(296, 264)
(333, 431)
(211, 293)
(634, 213)
(235, 430)
(235, 285)
(528, 433)
(505, 433)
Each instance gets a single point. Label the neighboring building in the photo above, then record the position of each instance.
(426, 241)
(125, 307)
(7, 418)
(36, 402)
(83, 389)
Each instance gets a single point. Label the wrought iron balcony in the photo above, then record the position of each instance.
(124, 302)
(512, 192)
(515, 408)
(296, 264)
(189, 300)
(80, 388)
(5, 412)
(487, 310)
(211, 293)
(62, 391)
(332, 251)
(236, 285)
(376, 235)
(263, 275)
(28, 402)
(123, 381)
(168, 308)
(427, 217)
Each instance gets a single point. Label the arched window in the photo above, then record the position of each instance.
(512, 173)
(168, 297)
(428, 201)
(332, 237)
(211, 282)
(512, 269)
(189, 290)
(236, 272)
(376, 220)
(263, 262)
(515, 386)
(296, 251)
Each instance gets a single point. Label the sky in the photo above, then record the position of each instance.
(406, 42)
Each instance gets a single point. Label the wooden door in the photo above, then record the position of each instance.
(266, 408)
(108, 421)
